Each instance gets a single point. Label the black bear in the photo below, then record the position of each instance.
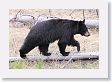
(46, 32)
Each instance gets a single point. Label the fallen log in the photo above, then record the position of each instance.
(59, 57)
(92, 23)
(25, 19)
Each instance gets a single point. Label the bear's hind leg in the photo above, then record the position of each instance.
(22, 54)
(25, 49)
(44, 49)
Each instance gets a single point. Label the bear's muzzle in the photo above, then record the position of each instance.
(87, 34)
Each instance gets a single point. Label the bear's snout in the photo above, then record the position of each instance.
(87, 34)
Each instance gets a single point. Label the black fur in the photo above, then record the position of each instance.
(46, 32)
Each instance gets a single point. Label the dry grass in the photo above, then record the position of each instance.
(18, 32)
(79, 64)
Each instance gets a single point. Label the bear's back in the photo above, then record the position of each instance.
(54, 24)
(53, 27)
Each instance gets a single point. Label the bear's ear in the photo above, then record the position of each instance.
(83, 21)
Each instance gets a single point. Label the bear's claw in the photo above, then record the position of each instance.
(23, 56)
(65, 53)
(47, 54)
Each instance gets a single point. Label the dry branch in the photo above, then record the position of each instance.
(50, 12)
(83, 14)
(72, 56)
(71, 14)
(97, 12)
(17, 13)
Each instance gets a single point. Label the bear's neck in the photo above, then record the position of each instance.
(76, 28)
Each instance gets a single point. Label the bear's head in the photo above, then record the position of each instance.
(83, 30)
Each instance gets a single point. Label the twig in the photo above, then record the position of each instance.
(67, 63)
(17, 13)
(50, 12)
(83, 14)
(97, 13)
(71, 14)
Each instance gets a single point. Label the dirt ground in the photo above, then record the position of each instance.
(18, 32)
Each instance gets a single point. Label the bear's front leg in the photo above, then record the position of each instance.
(44, 49)
(62, 47)
(74, 42)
